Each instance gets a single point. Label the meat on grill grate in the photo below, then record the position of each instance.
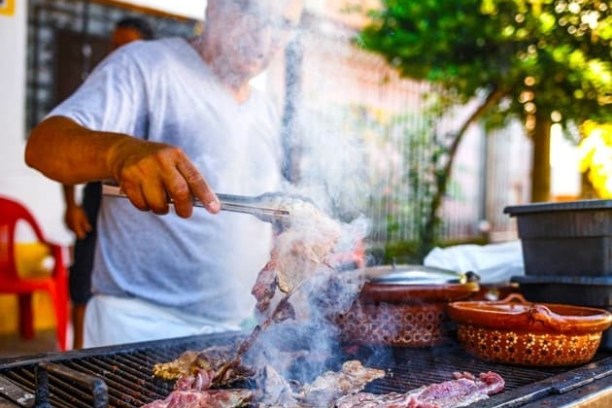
(340, 389)
(204, 399)
(329, 386)
(461, 392)
(203, 370)
(192, 390)
(299, 267)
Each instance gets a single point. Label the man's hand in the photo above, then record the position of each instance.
(151, 174)
(76, 220)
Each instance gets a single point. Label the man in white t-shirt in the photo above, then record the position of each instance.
(174, 119)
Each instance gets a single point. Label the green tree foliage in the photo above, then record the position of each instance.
(544, 56)
(535, 60)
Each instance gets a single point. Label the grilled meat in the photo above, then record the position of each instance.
(273, 390)
(304, 247)
(329, 386)
(186, 364)
(461, 392)
(276, 391)
(203, 370)
(205, 399)
(331, 389)
(265, 286)
(297, 254)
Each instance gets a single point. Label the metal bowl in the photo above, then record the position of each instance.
(416, 284)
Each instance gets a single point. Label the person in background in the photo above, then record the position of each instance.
(81, 219)
(130, 29)
(175, 119)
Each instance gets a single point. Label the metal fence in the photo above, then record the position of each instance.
(369, 138)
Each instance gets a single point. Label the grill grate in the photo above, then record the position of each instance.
(126, 372)
(412, 368)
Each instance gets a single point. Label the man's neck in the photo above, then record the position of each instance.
(237, 85)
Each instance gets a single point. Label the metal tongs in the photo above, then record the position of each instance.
(266, 207)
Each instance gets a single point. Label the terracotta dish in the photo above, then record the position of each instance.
(404, 306)
(519, 332)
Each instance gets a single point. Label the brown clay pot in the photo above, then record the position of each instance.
(404, 306)
(518, 332)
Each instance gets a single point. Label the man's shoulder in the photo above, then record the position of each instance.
(152, 57)
(154, 48)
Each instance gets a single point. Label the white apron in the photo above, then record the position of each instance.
(111, 320)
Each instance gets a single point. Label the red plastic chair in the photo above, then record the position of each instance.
(11, 212)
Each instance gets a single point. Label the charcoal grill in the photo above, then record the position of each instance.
(120, 376)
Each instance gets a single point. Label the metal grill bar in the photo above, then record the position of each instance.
(24, 379)
(130, 375)
(412, 369)
(67, 379)
(119, 388)
(126, 371)
(15, 393)
(62, 393)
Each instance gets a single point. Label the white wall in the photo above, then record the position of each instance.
(186, 8)
(41, 195)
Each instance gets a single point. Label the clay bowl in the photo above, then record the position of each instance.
(518, 332)
(404, 306)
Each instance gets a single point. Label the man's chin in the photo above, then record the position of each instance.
(254, 68)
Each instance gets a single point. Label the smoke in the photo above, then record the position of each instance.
(333, 170)
(303, 346)
(325, 162)
(325, 151)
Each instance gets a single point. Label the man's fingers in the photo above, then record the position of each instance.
(178, 191)
(137, 198)
(82, 228)
(162, 174)
(80, 233)
(156, 197)
(198, 186)
(183, 200)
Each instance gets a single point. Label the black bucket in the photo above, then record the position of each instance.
(566, 238)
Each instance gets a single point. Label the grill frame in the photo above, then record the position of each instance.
(70, 379)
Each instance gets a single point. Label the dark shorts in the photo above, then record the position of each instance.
(79, 279)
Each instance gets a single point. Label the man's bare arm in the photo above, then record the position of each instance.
(148, 172)
(75, 216)
(65, 151)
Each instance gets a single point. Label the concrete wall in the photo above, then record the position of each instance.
(41, 195)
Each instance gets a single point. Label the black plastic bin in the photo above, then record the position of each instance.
(567, 238)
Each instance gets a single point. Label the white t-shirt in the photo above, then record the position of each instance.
(205, 265)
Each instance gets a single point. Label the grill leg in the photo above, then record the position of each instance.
(96, 385)
(42, 389)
